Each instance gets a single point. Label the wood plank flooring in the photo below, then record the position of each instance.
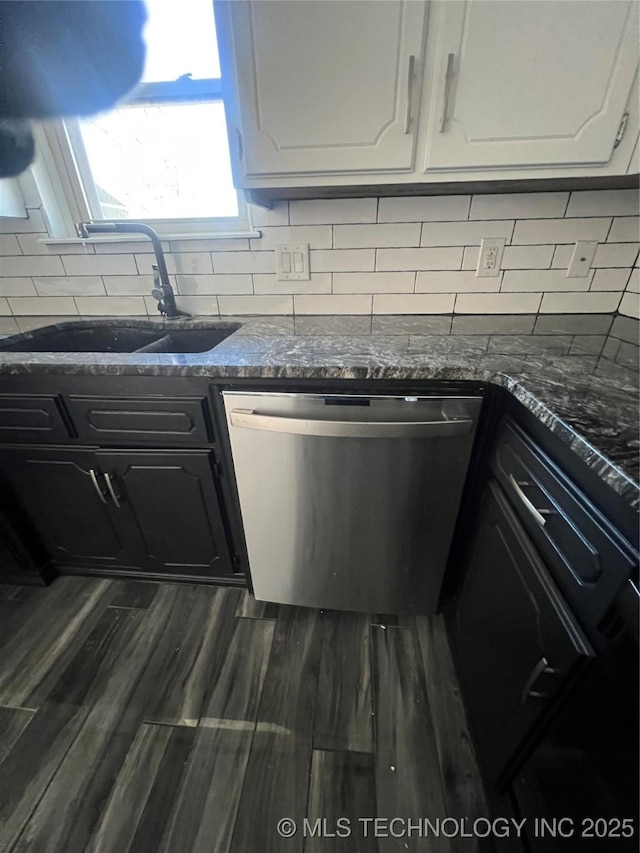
(176, 718)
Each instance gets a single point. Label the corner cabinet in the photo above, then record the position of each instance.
(321, 87)
(330, 94)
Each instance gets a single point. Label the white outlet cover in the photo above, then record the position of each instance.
(490, 258)
(292, 262)
(582, 258)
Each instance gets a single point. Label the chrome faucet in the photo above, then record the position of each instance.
(162, 290)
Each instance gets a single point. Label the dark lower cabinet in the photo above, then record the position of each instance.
(515, 640)
(151, 511)
(169, 499)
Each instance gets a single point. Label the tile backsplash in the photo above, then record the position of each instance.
(405, 255)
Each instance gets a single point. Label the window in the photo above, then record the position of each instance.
(163, 155)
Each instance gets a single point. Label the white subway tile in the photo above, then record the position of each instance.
(231, 244)
(244, 262)
(604, 203)
(615, 255)
(213, 284)
(455, 282)
(610, 279)
(203, 306)
(334, 211)
(633, 285)
(268, 284)
(128, 285)
(376, 236)
(497, 303)
(471, 257)
(68, 285)
(277, 215)
(33, 244)
(33, 223)
(23, 265)
(464, 233)
(630, 305)
(342, 260)
(423, 208)
(413, 303)
(17, 287)
(374, 282)
(101, 264)
(559, 230)
(101, 306)
(5, 311)
(527, 257)
(185, 263)
(317, 236)
(9, 245)
(519, 205)
(625, 229)
(449, 258)
(542, 280)
(579, 303)
(562, 257)
(360, 304)
(248, 305)
(43, 305)
(125, 247)
(8, 326)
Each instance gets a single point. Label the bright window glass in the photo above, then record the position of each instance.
(160, 156)
(181, 39)
(155, 162)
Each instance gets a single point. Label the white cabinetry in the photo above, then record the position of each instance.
(323, 87)
(530, 84)
(374, 92)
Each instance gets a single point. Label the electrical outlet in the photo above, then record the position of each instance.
(292, 262)
(490, 257)
(582, 258)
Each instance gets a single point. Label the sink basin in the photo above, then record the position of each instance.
(118, 339)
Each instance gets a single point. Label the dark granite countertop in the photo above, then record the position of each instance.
(576, 373)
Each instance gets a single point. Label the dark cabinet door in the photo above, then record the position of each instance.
(515, 639)
(61, 492)
(169, 499)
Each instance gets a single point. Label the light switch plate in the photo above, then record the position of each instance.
(582, 258)
(490, 258)
(292, 262)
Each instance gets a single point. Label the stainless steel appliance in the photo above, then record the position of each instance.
(349, 502)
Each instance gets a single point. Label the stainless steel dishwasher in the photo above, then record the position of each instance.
(349, 502)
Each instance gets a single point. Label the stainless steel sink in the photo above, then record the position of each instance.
(119, 339)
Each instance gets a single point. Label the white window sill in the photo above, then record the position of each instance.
(136, 238)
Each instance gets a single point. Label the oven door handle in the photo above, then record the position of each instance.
(445, 428)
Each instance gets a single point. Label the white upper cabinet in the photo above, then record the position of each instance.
(536, 83)
(321, 87)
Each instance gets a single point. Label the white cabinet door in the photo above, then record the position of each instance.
(530, 83)
(323, 87)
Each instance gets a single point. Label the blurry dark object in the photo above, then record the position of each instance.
(63, 58)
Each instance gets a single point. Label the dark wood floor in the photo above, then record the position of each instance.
(162, 718)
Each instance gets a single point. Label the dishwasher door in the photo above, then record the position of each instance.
(349, 502)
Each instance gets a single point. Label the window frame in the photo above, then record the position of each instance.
(62, 167)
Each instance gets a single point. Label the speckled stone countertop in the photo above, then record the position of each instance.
(576, 373)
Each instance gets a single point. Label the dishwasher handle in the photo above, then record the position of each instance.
(445, 428)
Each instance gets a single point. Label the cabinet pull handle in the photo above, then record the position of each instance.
(536, 672)
(410, 78)
(447, 91)
(112, 491)
(96, 485)
(539, 517)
